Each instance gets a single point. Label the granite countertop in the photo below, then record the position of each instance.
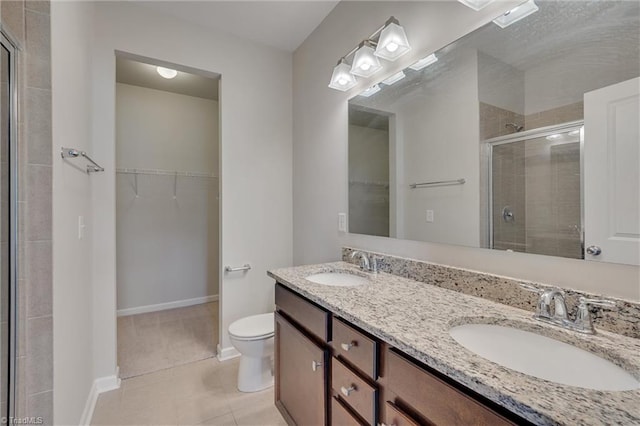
(415, 317)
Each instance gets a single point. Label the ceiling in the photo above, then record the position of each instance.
(281, 24)
(129, 71)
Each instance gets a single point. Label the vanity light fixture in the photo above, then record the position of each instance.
(387, 42)
(393, 41)
(424, 62)
(516, 14)
(394, 78)
(475, 4)
(371, 91)
(167, 73)
(365, 62)
(342, 79)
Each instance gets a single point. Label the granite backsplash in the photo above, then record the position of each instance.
(624, 319)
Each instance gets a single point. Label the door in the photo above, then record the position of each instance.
(611, 177)
(301, 375)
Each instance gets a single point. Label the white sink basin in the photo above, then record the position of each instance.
(340, 279)
(542, 357)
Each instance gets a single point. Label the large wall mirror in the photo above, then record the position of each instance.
(523, 138)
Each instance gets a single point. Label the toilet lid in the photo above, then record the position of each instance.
(254, 326)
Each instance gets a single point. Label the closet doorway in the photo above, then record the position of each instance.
(167, 215)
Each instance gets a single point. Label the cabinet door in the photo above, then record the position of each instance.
(301, 375)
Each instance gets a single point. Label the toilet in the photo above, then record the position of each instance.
(253, 337)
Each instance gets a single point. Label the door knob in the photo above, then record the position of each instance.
(315, 365)
(594, 250)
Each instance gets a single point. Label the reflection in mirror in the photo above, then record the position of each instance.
(492, 143)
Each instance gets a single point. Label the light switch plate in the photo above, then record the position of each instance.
(342, 222)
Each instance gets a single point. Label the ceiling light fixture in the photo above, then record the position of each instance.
(342, 79)
(393, 41)
(166, 72)
(371, 91)
(388, 42)
(475, 4)
(424, 62)
(516, 14)
(394, 78)
(365, 63)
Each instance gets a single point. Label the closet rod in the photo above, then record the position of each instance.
(164, 173)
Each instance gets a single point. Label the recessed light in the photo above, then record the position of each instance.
(424, 62)
(475, 4)
(371, 91)
(516, 14)
(394, 78)
(166, 72)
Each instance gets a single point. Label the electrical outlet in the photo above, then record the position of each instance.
(430, 216)
(342, 222)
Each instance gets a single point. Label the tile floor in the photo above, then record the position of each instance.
(160, 340)
(199, 393)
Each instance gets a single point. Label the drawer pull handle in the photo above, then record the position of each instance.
(315, 365)
(384, 424)
(347, 346)
(347, 391)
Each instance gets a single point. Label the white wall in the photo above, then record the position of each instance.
(166, 131)
(500, 84)
(255, 157)
(167, 248)
(438, 146)
(72, 259)
(320, 146)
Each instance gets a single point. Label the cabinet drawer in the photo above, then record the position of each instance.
(309, 316)
(356, 392)
(355, 347)
(340, 415)
(396, 417)
(438, 401)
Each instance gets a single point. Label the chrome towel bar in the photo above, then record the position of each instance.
(73, 153)
(246, 267)
(437, 183)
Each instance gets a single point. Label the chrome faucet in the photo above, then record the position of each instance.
(583, 322)
(366, 263)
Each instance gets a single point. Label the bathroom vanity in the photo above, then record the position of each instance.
(381, 353)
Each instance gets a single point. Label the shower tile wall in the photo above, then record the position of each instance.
(493, 121)
(550, 117)
(28, 22)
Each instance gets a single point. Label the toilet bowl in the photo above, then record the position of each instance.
(253, 338)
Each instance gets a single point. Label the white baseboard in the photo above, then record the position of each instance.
(225, 354)
(100, 385)
(168, 305)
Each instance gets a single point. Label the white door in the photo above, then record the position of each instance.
(611, 177)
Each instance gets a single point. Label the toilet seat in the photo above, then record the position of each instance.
(255, 327)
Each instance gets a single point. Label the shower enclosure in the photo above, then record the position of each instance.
(535, 202)
(8, 226)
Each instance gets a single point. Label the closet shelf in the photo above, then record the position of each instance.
(164, 173)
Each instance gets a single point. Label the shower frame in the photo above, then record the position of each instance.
(7, 42)
(523, 136)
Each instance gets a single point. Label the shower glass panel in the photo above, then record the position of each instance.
(536, 196)
(7, 227)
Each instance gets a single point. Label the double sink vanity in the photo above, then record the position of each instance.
(356, 347)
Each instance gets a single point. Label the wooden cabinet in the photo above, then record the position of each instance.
(329, 372)
(301, 375)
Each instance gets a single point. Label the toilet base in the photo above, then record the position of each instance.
(254, 374)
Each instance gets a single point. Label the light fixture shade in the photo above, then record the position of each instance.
(394, 78)
(365, 63)
(516, 14)
(371, 91)
(424, 62)
(342, 79)
(166, 72)
(475, 4)
(392, 43)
